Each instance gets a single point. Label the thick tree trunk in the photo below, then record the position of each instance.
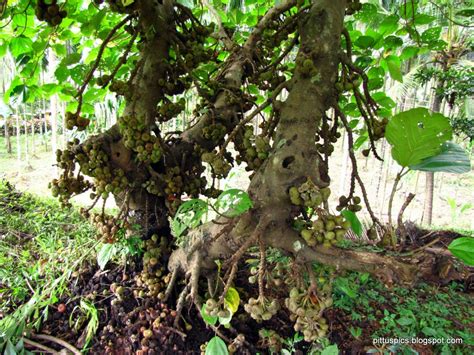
(293, 160)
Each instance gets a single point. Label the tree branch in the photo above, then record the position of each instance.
(223, 36)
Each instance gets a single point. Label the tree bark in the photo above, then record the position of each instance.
(429, 185)
(18, 141)
(7, 135)
(293, 160)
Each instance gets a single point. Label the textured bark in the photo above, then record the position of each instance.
(294, 158)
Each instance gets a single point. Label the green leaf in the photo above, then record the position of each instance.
(10, 348)
(61, 73)
(330, 350)
(233, 202)
(463, 249)
(404, 321)
(106, 252)
(20, 45)
(408, 10)
(72, 58)
(393, 65)
(364, 42)
(392, 42)
(468, 12)
(232, 300)
(216, 346)
(451, 159)
(389, 24)
(416, 135)
(225, 320)
(383, 100)
(431, 34)
(189, 215)
(207, 318)
(356, 225)
(342, 284)
(361, 140)
(423, 19)
(409, 52)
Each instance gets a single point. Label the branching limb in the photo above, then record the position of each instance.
(271, 14)
(399, 176)
(98, 59)
(223, 36)
(122, 59)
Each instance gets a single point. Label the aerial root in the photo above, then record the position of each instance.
(171, 284)
(195, 273)
(261, 269)
(230, 279)
(180, 305)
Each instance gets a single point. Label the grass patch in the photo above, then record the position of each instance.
(425, 311)
(41, 245)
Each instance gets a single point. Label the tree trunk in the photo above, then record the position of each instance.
(7, 135)
(293, 160)
(53, 106)
(429, 185)
(18, 141)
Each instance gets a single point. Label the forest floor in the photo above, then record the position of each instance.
(61, 288)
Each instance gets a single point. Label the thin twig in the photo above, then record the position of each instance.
(122, 60)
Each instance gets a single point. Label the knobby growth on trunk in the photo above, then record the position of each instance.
(150, 172)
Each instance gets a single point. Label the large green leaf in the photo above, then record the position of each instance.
(232, 299)
(452, 159)
(394, 67)
(356, 226)
(216, 346)
(416, 135)
(106, 252)
(463, 248)
(189, 215)
(20, 45)
(207, 318)
(233, 202)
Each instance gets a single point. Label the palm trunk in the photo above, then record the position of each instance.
(53, 107)
(18, 141)
(429, 187)
(7, 136)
